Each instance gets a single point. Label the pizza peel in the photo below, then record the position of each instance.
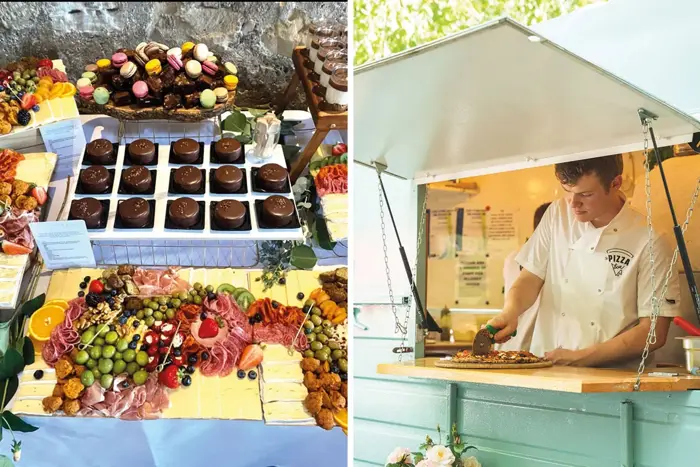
(483, 341)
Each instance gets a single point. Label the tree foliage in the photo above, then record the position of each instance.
(386, 27)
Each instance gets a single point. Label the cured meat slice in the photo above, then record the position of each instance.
(64, 337)
(159, 281)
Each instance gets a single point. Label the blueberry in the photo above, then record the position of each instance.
(35, 108)
(133, 345)
(137, 323)
(300, 296)
(2, 88)
(177, 352)
(161, 343)
(127, 313)
(189, 369)
(203, 316)
(137, 337)
(211, 296)
(114, 293)
(252, 374)
(186, 380)
(168, 361)
(205, 356)
(38, 374)
(282, 281)
(112, 327)
(192, 358)
(343, 376)
(81, 294)
(83, 285)
(144, 347)
(183, 368)
(251, 321)
(86, 279)
(241, 374)
(122, 320)
(275, 304)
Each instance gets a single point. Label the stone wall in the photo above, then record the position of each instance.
(257, 37)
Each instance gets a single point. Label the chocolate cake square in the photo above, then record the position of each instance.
(204, 82)
(122, 98)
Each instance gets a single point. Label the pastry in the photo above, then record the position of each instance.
(192, 100)
(277, 211)
(172, 102)
(193, 69)
(134, 212)
(142, 152)
(187, 47)
(92, 68)
(229, 214)
(153, 67)
(136, 179)
(89, 210)
(272, 177)
(87, 92)
(227, 150)
(103, 64)
(185, 151)
(95, 179)
(207, 98)
(209, 68)
(228, 178)
(221, 95)
(127, 70)
(122, 98)
(183, 212)
(200, 52)
(118, 82)
(230, 68)
(183, 85)
(82, 83)
(100, 152)
(118, 60)
(175, 62)
(91, 76)
(231, 82)
(101, 96)
(188, 179)
(205, 82)
(140, 89)
(337, 97)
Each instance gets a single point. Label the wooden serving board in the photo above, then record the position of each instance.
(490, 366)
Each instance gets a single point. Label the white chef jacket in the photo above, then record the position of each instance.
(526, 321)
(597, 281)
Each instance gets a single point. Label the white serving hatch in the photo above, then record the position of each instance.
(494, 98)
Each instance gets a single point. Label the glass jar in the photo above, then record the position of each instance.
(266, 135)
(321, 33)
(333, 60)
(337, 90)
(326, 46)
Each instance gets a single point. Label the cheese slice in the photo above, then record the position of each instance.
(273, 392)
(13, 260)
(285, 372)
(28, 407)
(64, 285)
(285, 411)
(34, 390)
(276, 353)
(278, 292)
(37, 168)
(301, 281)
(9, 273)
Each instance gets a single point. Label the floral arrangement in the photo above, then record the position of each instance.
(451, 454)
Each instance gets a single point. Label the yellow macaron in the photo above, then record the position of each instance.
(104, 63)
(187, 46)
(153, 67)
(231, 82)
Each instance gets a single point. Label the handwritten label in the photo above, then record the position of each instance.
(64, 244)
(66, 139)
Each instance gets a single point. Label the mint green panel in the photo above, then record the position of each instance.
(356, 463)
(370, 352)
(374, 441)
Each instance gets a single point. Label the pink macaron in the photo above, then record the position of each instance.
(119, 59)
(209, 68)
(140, 89)
(175, 62)
(86, 92)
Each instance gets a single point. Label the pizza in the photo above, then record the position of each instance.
(498, 356)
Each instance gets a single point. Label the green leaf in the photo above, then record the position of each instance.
(28, 351)
(245, 139)
(257, 113)
(235, 122)
(12, 364)
(17, 424)
(32, 305)
(303, 257)
(5, 461)
(12, 385)
(417, 457)
(322, 236)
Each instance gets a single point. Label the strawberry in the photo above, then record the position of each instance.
(339, 149)
(96, 287)
(251, 357)
(28, 101)
(170, 377)
(44, 63)
(208, 329)
(10, 248)
(39, 193)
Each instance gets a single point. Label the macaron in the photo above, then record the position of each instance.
(230, 81)
(83, 83)
(153, 67)
(212, 58)
(92, 67)
(175, 62)
(91, 76)
(209, 68)
(140, 55)
(187, 46)
(221, 95)
(140, 89)
(127, 70)
(87, 92)
(101, 96)
(207, 98)
(200, 52)
(193, 69)
(119, 59)
(230, 68)
(175, 51)
(104, 63)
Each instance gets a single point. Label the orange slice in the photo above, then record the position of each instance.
(68, 90)
(341, 419)
(44, 320)
(59, 303)
(56, 91)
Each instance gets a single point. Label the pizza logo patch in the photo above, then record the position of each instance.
(619, 259)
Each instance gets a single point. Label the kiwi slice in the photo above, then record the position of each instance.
(226, 288)
(238, 292)
(245, 300)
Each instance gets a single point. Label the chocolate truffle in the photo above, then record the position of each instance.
(272, 177)
(229, 214)
(186, 151)
(184, 212)
(227, 150)
(100, 152)
(188, 179)
(142, 152)
(136, 179)
(228, 178)
(134, 212)
(277, 211)
(122, 98)
(89, 210)
(172, 102)
(95, 179)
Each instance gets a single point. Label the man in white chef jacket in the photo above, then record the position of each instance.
(511, 271)
(589, 257)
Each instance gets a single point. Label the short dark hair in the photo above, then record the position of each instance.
(606, 168)
(539, 213)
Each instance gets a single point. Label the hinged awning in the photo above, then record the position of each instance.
(496, 98)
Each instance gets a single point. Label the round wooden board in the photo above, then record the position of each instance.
(490, 366)
(134, 112)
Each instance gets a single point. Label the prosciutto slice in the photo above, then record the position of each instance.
(159, 281)
(64, 337)
(144, 402)
(14, 224)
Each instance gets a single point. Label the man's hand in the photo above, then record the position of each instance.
(507, 323)
(564, 356)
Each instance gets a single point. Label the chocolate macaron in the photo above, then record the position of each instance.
(134, 212)
(183, 212)
(185, 151)
(142, 152)
(136, 179)
(229, 214)
(272, 177)
(227, 150)
(278, 211)
(188, 179)
(95, 179)
(228, 178)
(100, 152)
(89, 210)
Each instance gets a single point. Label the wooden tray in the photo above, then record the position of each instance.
(134, 112)
(490, 366)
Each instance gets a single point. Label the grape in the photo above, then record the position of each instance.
(105, 365)
(147, 312)
(103, 330)
(158, 316)
(106, 381)
(96, 352)
(81, 357)
(132, 368)
(129, 355)
(142, 358)
(119, 367)
(96, 373)
(92, 329)
(140, 314)
(118, 356)
(87, 378)
(122, 345)
(98, 341)
(86, 337)
(150, 320)
(108, 352)
(91, 364)
(170, 313)
(140, 377)
(111, 337)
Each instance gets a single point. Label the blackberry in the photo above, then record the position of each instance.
(92, 300)
(23, 117)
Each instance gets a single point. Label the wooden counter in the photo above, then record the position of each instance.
(557, 378)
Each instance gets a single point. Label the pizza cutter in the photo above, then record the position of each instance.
(484, 340)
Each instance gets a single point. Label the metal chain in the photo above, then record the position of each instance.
(400, 328)
(655, 300)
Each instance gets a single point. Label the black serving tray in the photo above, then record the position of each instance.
(258, 189)
(79, 186)
(245, 227)
(261, 220)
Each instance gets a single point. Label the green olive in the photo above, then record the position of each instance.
(343, 364)
(153, 305)
(308, 325)
(147, 312)
(209, 288)
(326, 349)
(327, 324)
(321, 355)
(328, 332)
(162, 301)
(316, 345)
(197, 300)
(311, 337)
(308, 303)
(318, 330)
(336, 354)
(316, 311)
(309, 353)
(197, 286)
(333, 345)
(322, 338)
(158, 316)
(316, 320)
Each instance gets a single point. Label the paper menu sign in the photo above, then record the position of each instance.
(64, 244)
(66, 139)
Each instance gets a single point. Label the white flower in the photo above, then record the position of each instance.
(440, 455)
(427, 463)
(16, 455)
(399, 455)
(471, 462)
